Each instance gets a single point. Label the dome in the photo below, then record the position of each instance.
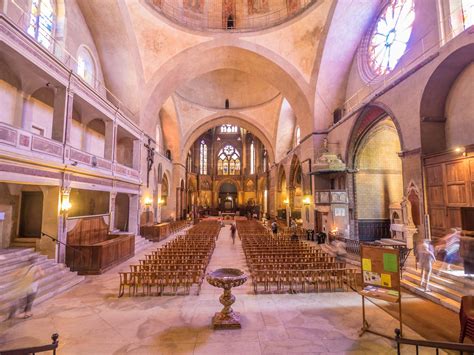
(234, 15)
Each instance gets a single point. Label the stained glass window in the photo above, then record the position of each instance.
(228, 128)
(41, 23)
(468, 13)
(86, 66)
(228, 161)
(252, 158)
(203, 158)
(390, 36)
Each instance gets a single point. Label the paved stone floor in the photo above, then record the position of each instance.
(90, 319)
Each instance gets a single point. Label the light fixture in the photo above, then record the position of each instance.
(306, 201)
(65, 204)
(161, 201)
(148, 201)
(460, 150)
(286, 201)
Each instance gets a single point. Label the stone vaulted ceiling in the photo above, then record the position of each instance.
(147, 60)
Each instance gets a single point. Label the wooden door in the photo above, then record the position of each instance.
(449, 187)
(31, 214)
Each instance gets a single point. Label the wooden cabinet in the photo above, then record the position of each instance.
(91, 249)
(449, 181)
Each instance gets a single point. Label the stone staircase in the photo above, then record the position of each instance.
(446, 288)
(57, 279)
(24, 243)
(141, 244)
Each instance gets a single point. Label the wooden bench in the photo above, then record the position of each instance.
(92, 250)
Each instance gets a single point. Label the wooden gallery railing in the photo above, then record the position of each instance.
(280, 264)
(175, 267)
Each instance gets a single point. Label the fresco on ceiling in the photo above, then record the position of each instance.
(228, 9)
(258, 6)
(194, 5)
(292, 6)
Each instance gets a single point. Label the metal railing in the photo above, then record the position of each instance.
(35, 349)
(57, 241)
(436, 345)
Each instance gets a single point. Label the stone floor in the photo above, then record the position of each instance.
(90, 319)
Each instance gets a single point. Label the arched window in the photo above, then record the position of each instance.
(228, 128)
(228, 161)
(203, 158)
(252, 158)
(86, 66)
(389, 38)
(468, 13)
(41, 25)
(297, 136)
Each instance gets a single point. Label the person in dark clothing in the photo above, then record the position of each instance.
(274, 228)
(233, 229)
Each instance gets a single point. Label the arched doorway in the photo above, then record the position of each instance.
(378, 182)
(228, 197)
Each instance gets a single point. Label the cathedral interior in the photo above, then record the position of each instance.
(307, 164)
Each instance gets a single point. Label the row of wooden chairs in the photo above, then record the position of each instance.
(293, 281)
(281, 264)
(175, 267)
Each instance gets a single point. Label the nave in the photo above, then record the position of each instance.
(271, 323)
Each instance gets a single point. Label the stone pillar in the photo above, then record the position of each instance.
(109, 140)
(62, 114)
(113, 195)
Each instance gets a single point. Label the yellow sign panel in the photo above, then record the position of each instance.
(386, 280)
(366, 264)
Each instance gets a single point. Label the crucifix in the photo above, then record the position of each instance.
(150, 158)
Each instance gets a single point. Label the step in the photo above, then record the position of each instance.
(15, 251)
(46, 287)
(8, 259)
(458, 283)
(435, 286)
(14, 266)
(47, 294)
(432, 296)
(54, 273)
(46, 264)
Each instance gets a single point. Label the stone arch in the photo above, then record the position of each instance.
(369, 116)
(236, 54)
(219, 119)
(378, 182)
(435, 94)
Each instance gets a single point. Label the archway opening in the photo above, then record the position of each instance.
(379, 180)
(228, 197)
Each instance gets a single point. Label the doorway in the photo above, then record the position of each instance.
(228, 197)
(31, 214)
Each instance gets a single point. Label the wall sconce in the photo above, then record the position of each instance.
(161, 202)
(460, 150)
(286, 202)
(65, 204)
(306, 201)
(148, 201)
